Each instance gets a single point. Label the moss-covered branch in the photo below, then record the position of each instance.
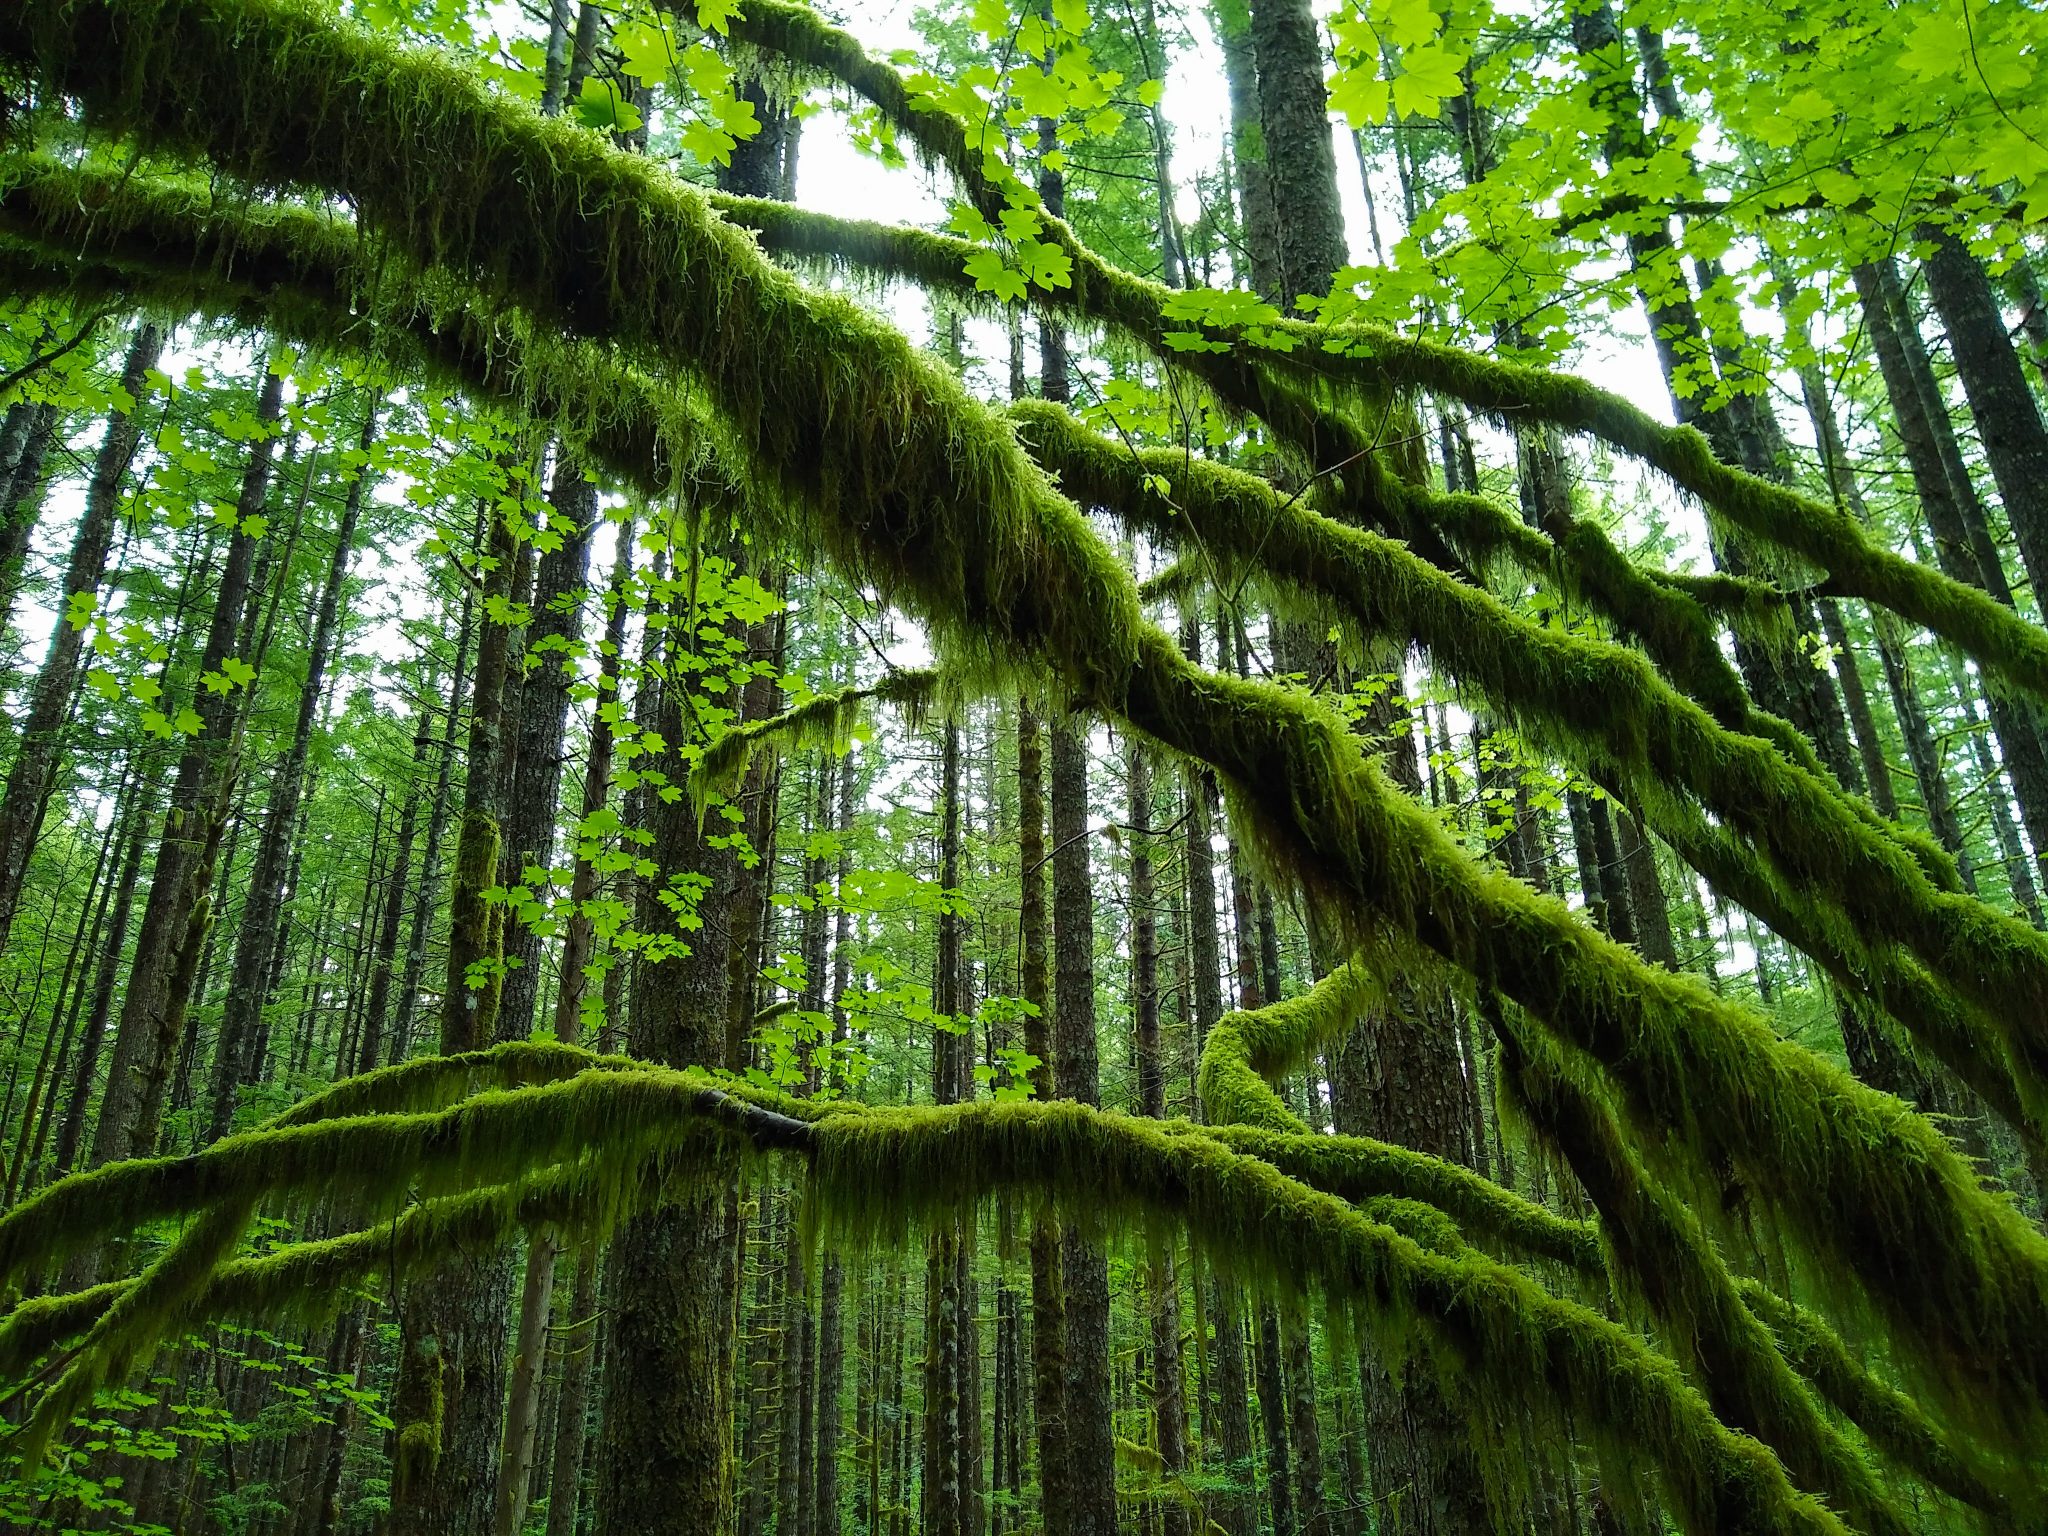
(1662, 1254)
(903, 480)
(1602, 709)
(1891, 1421)
(880, 1175)
(1369, 361)
(825, 721)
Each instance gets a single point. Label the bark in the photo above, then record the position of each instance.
(1091, 1443)
(370, 1045)
(1303, 1428)
(2008, 419)
(1963, 547)
(1301, 164)
(452, 1351)
(71, 1132)
(24, 443)
(1048, 1308)
(145, 1038)
(580, 934)
(1257, 212)
(574, 1347)
(664, 1465)
(30, 778)
(235, 1057)
(552, 640)
(1273, 1419)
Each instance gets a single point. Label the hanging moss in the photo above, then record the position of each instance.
(1373, 359)
(1661, 1254)
(1892, 1422)
(1599, 707)
(826, 721)
(878, 1176)
(903, 480)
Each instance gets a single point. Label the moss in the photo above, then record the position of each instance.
(1370, 362)
(876, 1177)
(419, 1409)
(1663, 1256)
(826, 721)
(1605, 711)
(1892, 1422)
(875, 459)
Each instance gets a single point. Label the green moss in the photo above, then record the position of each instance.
(1892, 1422)
(879, 1176)
(826, 721)
(875, 459)
(1604, 710)
(1369, 363)
(1662, 1255)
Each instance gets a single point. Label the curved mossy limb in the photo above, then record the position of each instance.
(308, 1282)
(1359, 1170)
(1600, 707)
(826, 721)
(1372, 360)
(1892, 1422)
(903, 480)
(1662, 1255)
(879, 1176)
(1934, 1016)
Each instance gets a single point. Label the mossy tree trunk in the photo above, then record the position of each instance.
(451, 1369)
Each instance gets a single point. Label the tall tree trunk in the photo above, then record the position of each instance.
(1963, 546)
(2008, 418)
(24, 443)
(235, 1056)
(145, 1042)
(34, 769)
(1084, 1272)
(452, 1365)
(1301, 164)
(1048, 1308)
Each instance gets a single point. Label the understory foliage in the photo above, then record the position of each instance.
(545, 988)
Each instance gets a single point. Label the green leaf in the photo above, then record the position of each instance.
(992, 275)
(713, 15)
(600, 106)
(645, 46)
(1429, 76)
(188, 721)
(104, 683)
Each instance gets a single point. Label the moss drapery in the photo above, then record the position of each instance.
(869, 454)
(623, 1134)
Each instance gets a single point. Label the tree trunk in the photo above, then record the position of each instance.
(35, 763)
(235, 1056)
(1091, 1444)
(145, 1042)
(2008, 419)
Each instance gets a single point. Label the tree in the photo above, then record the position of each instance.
(804, 482)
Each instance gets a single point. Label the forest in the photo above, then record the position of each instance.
(1190, 767)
